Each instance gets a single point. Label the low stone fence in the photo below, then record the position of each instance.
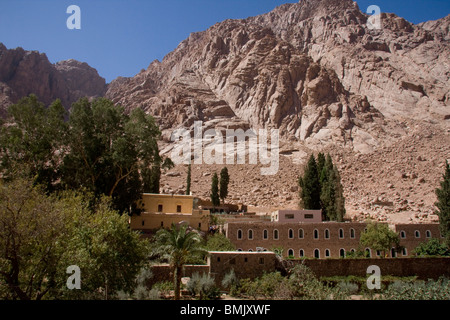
(163, 272)
(423, 268)
(252, 265)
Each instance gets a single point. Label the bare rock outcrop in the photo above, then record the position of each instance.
(24, 72)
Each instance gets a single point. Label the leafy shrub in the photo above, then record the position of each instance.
(204, 286)
(231, 282)
(419, 290)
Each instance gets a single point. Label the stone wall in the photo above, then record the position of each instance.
(164, 272)
(423, 268)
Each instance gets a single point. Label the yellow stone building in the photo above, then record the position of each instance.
(163, 210)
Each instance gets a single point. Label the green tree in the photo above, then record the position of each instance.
(111, 153)
(177, 245)
(443, 204)
(215, 198)
(33, 231)
(310, 186)
(32, 140)
(41, 235)
(224, 181)
(188, 181)
(432, 248)
(218, 242)
(379, 237)
(321, 161)
(109, 254)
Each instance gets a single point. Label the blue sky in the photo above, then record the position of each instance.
(121, 37)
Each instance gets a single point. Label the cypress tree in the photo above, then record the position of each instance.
(188, 181)
(443, 204)
(215, 199)
(320, 163)
(224, 181)
(310, 186)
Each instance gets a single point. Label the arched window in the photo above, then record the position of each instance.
(250, 250)
(275, 234)
(327, 253)
(342, 253)
(428, 234)
(316, 234)
(290, 253)
(404, 251)
(341, 233)
(327, 234)
(265, 235)
(403, 234)
(352, 233)
(250, 234)
(417, 234)
(301, 253)
(239, 234)
(317, 253)
(368, 253)
(301, 233)
(291, 234)
(393, 253)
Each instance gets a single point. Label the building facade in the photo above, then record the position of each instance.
(296, 216)
(162, 210)
(320, 240)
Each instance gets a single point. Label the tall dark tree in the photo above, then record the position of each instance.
(443, 204)
(215, 198)
(224, 181)
(310, 186)
(321, 161)
(188, 181)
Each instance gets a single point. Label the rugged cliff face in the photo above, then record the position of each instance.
(25, 72)
(313, 69)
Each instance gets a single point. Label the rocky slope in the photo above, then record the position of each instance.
(24, 72)
(378, 100)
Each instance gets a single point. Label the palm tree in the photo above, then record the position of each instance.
(177, 245)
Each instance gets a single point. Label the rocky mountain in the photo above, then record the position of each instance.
(313, 69)
(24, 72)
(377, 99)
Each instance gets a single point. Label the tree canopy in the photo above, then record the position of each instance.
(379, 237)
(321, 188)
(177, 245)
(215, 197)
(100, 148)
(224, 181)
(42, 235)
